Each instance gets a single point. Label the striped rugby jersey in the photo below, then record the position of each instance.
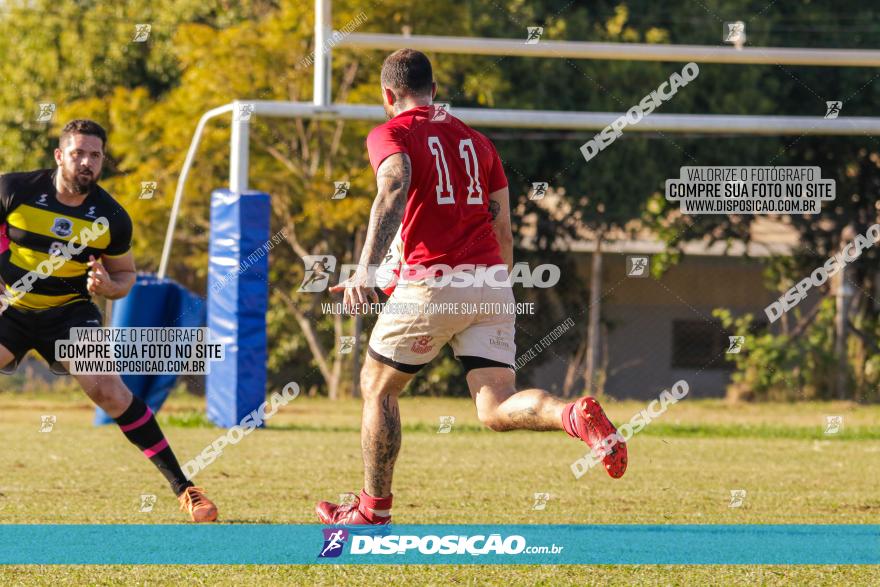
(40, 228)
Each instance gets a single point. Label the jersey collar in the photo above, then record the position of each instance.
(85, 201)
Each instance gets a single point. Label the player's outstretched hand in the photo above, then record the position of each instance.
(357, 292)
(99, 281)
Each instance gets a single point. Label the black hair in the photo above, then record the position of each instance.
(83, 127)
(408, 73)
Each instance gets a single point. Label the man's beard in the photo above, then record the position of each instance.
(81, 184)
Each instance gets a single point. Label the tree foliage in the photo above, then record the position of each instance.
(204, 53)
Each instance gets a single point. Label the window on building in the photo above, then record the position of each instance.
(700, 344)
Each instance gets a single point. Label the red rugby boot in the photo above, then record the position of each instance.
(585, 419)
(352, 514)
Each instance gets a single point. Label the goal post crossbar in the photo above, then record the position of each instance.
(615, 51)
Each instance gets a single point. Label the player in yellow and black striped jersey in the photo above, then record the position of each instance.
(68, 240)
(40, 226)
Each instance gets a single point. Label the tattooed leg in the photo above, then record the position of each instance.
(380, 425)
(380, 442)
(502, 408)
(530, 409)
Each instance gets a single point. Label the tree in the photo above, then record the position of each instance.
(851, 161)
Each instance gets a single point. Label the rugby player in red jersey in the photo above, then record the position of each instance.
(443, 185)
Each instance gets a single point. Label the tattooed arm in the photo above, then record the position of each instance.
(499, 207)
(393, 179)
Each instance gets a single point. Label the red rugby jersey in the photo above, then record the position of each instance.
(454, 169)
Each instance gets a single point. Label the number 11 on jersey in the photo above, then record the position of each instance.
(444, 184)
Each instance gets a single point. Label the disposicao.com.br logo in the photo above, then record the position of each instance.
(334, 541)
(412, 544)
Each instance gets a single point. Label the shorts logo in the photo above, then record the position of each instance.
(42, 200)
(334, 540)
(499, 343)
(62, 227)
(422, 345)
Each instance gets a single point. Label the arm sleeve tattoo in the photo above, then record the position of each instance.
(393, 179)
(494, 209)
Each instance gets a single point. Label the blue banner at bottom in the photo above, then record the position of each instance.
(441, 544)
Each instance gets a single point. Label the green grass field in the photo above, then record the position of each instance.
(682, 469)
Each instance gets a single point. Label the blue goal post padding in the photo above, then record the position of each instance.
(154, 302)
(238, 293)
